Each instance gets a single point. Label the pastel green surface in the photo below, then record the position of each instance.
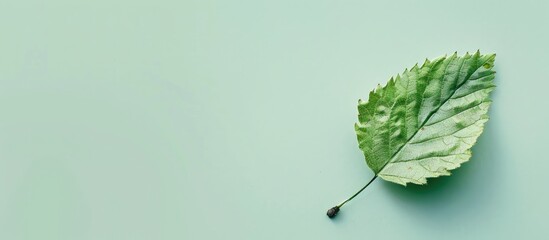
(234, 120)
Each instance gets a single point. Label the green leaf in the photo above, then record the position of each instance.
(424, 122)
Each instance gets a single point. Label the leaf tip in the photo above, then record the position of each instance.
(392, 82)
(378, 88)
(477, 53)
(426, 62)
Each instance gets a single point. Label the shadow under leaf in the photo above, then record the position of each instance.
(467, 189)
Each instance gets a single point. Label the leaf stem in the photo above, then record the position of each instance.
(332, 212)
(359, 191)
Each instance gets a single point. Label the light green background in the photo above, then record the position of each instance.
(234, 119)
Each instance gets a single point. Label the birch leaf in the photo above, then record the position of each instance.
(423, 123)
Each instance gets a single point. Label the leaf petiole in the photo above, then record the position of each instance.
(332, 212)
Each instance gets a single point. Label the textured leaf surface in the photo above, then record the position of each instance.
(424, 122)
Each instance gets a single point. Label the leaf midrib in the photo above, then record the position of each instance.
(433, 113)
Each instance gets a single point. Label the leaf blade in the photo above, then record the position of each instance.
(422, 124)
